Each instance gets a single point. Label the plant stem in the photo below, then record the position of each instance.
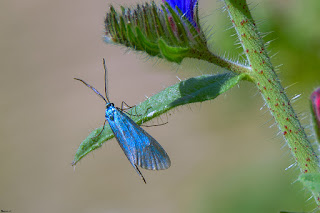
(210, 57)
(263, 75)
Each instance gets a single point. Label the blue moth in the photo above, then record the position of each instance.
(140, 148)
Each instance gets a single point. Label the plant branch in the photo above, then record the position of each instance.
(263, 75)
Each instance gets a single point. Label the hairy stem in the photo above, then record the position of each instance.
(206, 55)
(263, 75)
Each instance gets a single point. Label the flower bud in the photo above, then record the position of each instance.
(169, 31)
(315, 105)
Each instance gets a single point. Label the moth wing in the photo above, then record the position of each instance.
(140, 147)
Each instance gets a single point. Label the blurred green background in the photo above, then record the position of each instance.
(225, 158)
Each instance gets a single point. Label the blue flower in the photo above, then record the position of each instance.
(187, 7)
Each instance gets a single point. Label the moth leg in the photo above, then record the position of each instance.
(104, 124)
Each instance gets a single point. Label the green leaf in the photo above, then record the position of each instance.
(197, 89)
(174, 54)
(150, 47)
(311, 181)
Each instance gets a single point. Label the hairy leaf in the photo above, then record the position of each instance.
(197, 89)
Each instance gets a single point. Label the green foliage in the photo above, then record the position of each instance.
(160, 32)
(311, 181)
(197, 89)
(165, 33)
(263, 75)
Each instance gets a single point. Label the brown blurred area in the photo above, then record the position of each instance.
(220, 150)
